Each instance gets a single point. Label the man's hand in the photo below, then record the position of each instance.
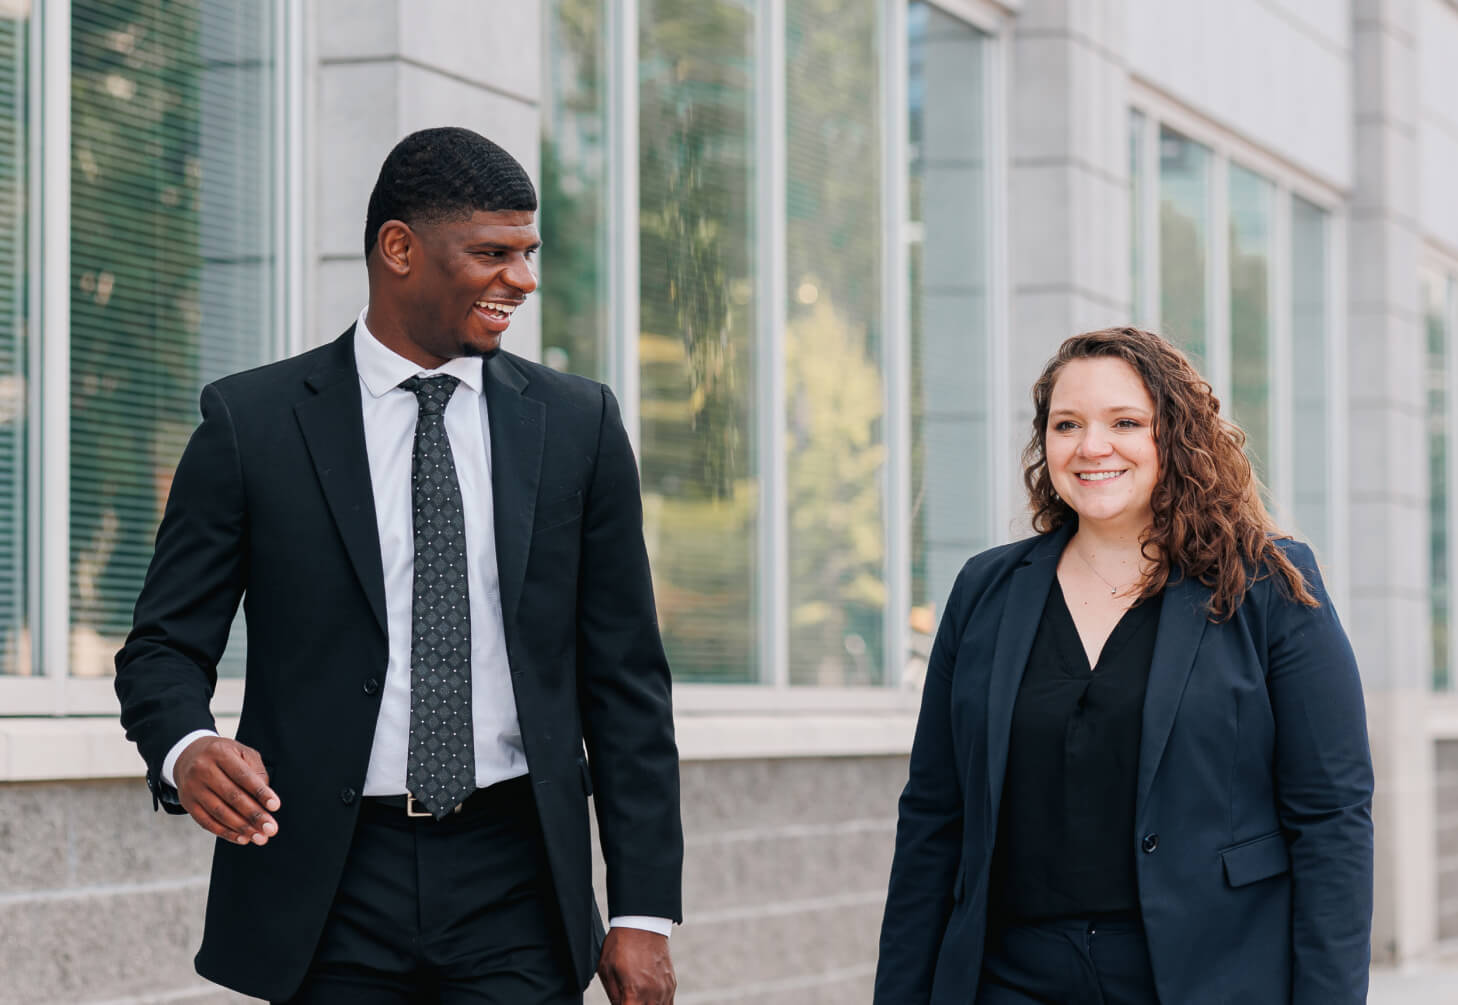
(224, 786)
(635, 968)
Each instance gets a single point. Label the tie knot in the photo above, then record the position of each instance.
(432, 392)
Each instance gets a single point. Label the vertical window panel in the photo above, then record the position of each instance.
(174, 111)
(697, 372)
(1251, 201)
(1436, 303)
(1184, 197)
(949, 300)
(14, 154)
(1310, 420)
(835, 452)
(575, 297)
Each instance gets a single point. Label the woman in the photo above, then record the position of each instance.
(1188, 821)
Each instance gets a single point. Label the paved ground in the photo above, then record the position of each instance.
(1430, 984)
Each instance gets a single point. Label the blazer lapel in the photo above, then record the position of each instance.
(332, 422)
(518, 431)
(1182, 621)
(1026, 594)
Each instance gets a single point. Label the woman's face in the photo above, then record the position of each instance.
(1100, 444)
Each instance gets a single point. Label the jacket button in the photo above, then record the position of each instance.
(371, 686)
(1150, 842)
(346, 795)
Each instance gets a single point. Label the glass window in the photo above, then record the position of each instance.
(172, 264)
(1251, 200)
(574, 188)
(1437, 312)
(1310, 422)
(1184, 169)
(697, 372)
(14, 40)
(835, 454)
(950, 329)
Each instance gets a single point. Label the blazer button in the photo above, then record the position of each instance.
(1150, 842)
(346, 795)
(371, 686)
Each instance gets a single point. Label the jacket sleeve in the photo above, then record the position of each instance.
(166, 671)
(1324, 791)
(928, 829)
(624, 690)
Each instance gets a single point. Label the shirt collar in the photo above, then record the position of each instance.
(382, 369)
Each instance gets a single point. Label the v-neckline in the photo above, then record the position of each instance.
(1070, 642)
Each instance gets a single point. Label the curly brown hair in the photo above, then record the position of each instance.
(1209, 521)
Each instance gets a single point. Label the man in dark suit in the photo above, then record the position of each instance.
(451, 640)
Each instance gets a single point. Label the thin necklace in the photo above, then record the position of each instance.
(1113, 590)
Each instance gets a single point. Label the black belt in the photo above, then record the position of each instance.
(492, 799)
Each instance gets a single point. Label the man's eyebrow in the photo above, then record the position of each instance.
(502, 246)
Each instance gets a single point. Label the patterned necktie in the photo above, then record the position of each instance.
(440, 767)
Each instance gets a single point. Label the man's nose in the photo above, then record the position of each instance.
(521, 275)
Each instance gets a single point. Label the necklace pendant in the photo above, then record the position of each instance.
(1114, 592)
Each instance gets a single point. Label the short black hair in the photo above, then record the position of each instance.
(443, 174)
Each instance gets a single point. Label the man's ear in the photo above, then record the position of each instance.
(396, 244)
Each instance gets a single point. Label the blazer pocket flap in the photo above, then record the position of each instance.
(557, 512)
(1253, 861)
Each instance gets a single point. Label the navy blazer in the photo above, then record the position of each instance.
(1253, 825)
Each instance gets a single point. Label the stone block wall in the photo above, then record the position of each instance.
(101, 900)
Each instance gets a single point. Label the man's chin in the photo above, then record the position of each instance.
(480, 351)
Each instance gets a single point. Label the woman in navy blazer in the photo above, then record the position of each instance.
(1245, 873)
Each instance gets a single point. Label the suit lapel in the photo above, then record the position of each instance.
(1182, 621)
(332, 422)
(1027, 593)
(518, 431)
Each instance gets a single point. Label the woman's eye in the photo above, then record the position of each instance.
(1064, 426)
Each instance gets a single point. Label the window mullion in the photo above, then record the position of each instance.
(896, 346)
(52, 460)
(1217, 304)
(623, 257)
(770, 313)
(1281, 406)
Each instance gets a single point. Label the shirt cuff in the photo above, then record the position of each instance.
(659, 926)
(170, 761)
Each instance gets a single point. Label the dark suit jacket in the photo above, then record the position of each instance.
(272, 503)
(1253, 807)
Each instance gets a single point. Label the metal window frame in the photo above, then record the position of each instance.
(51, 690)
(1288, 180)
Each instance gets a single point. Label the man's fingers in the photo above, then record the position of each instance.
(249, 774)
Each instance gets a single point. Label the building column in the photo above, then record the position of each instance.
(1068, 185)
(1389, 619)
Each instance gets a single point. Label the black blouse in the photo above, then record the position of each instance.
(1065, 836)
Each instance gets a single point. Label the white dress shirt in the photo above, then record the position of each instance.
(389, 426)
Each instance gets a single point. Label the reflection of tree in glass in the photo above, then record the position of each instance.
(1249, 349)
(837, 549)
(135, 317)
(1182, 281)
(573, 197)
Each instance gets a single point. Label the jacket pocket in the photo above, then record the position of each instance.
(1257, 859)
(557, 513)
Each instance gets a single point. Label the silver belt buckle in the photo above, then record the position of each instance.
(411, 811)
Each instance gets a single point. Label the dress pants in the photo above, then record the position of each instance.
(1067, 963)
(459, 910)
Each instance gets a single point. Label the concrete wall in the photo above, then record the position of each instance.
(1278, 72)
(1437, 41)
(786, 864)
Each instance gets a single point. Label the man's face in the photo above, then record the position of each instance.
(469, 277)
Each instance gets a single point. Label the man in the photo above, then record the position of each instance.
(439, 550)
